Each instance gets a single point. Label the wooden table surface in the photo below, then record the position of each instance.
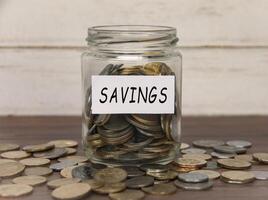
(34, 130)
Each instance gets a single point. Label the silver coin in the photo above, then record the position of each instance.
(229, 149)
(239, 143)
(140, 182)
(193, 177)
(222, 155)
(211, 165)
(83, 172)
(51, 154)
(260, 175)
(207, 143)
(193, 150)
(193, 186)
(61, 165)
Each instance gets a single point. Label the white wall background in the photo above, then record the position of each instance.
(224, 46)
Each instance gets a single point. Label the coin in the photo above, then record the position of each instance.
(193, 150)
(11, 169)
(14, 190)
(260, 175)
(110, 175)
(51, 154)
(160, 189)
(211, 174)
(186, 162)
(30, 180)
(245, 157)
(8, 147)
(193, 186)
(169, 175)
(77, 159)
(211, 165)
(207, 143)
(93, 183)
(237, 177)
(184, 146)
(154, 168)
(38, 147)
(127, 194)
(62, 181)
(67, 171)
(201, 156)
(233, 164)
(261, 157)
(38, 171)
(133, 171)
(61, 165)
(110, 188)
(193, 177)
(98, 166)
(222, 155)
(35, 161)
(6, 161)
(239, 143)
(139, 182)
(229, 149)
(82, 172)
(71, 191)
(63, 143)
(70, 151)
(15, 154)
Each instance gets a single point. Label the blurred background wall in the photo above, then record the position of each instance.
(224, 46)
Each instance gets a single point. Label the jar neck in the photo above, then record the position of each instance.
(123, 39)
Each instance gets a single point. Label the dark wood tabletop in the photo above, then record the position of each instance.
(34, 130)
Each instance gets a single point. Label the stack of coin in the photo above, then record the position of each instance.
(130, 138)
(188, 164)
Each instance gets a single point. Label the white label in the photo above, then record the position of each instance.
(133, 94)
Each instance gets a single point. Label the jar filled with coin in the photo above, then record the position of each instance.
(131, 90)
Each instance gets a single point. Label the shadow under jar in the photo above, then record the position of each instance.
(131, 90)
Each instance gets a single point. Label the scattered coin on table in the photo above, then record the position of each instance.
(35, 161)
(234, 164)
(239, 143)
(127, 195)
(11, 169)
(207, 143)
(51, 154)
(62, 181)
(8, 147)
(238, 177)
(64, 143)
(139, 182)
(38, 147)
(30, 180)
(38, 171)
(14, 190)
(160, 189)
(193, 177)
(74, 158)
(15, 154)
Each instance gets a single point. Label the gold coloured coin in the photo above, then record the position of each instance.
(110, 175)
(233, 164)
(93, 183)
(38, 171)
(245, 157)
(34, 161)
(62, 181)
(77, 159)
(238, 177)
(261, 157)
(111, 188)
(169, 175)
(211, 174)
(30, 180)
(67, 172)
(38, 147)
(70, 150)
(184, 146)
(127, 195)
(15, 154)
(160, 189)
(6, 161)
(201, 156)
(8, 147)
(71, 191)
(187, 162)
(11, 169)
(63, 143)
(14, 190)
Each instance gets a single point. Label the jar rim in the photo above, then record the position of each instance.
(132, 28)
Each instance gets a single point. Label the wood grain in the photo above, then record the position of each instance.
(216, 81)
(199, 22)
(30, 130)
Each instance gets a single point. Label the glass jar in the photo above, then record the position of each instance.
(131, 94)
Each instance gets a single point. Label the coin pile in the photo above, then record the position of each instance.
(195, 170)
(131, 138)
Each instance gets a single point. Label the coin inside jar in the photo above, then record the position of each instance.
(110, 175)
